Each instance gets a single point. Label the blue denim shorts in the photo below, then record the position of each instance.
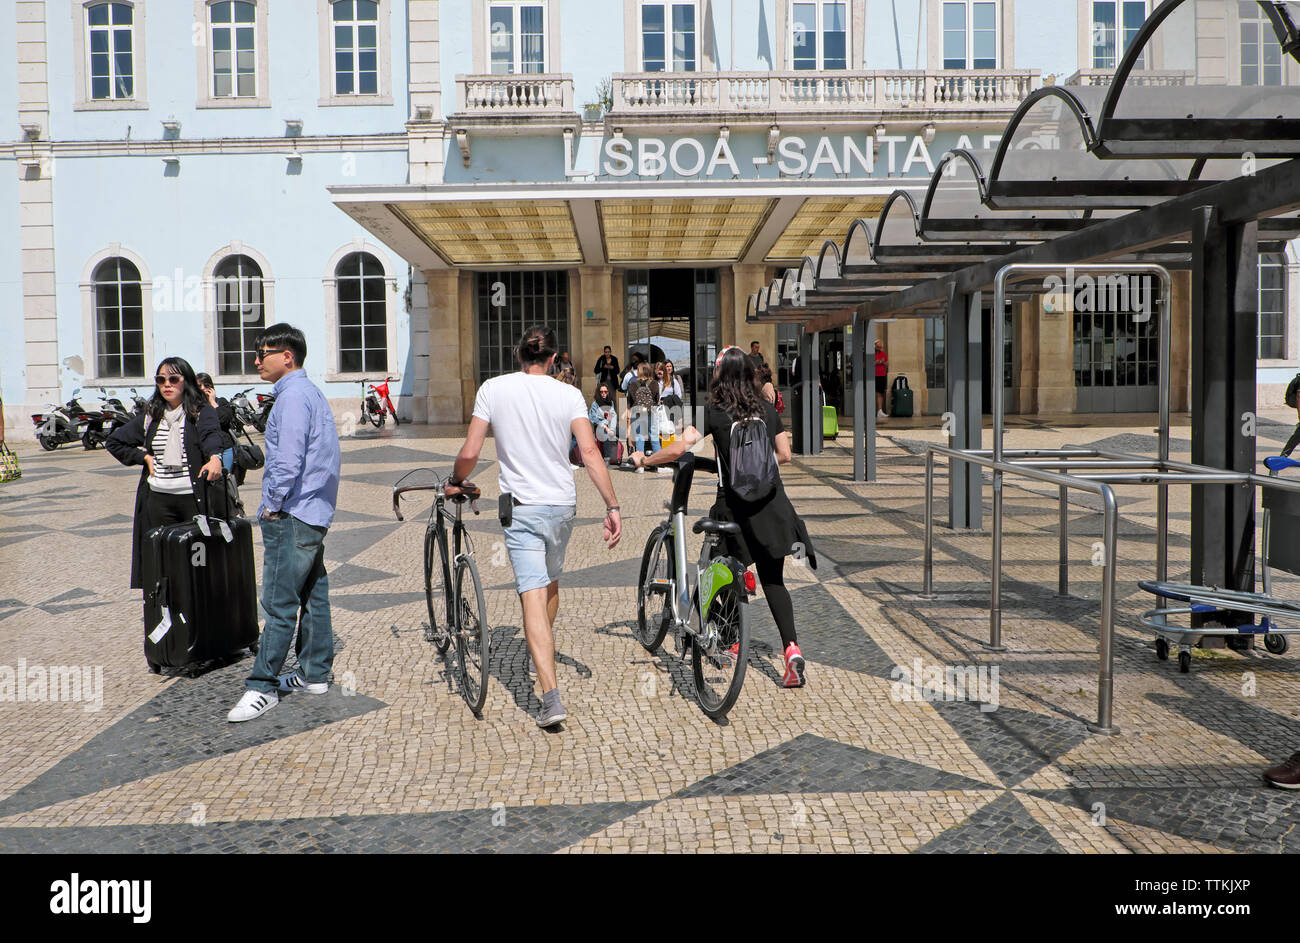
(536, 540)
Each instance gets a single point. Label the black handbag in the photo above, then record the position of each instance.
(249, 457)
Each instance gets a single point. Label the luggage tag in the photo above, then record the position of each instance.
(226, 532)
(204, 527)
(164, 626)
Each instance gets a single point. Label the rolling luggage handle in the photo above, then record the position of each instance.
(204, 521)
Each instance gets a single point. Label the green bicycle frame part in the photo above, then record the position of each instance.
(717, 575)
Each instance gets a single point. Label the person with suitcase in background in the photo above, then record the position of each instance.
(300, 487)
(178, 441)
(199, 582)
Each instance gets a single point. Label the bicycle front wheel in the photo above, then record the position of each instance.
(436, 589)
(720, 670)
(473, 639)
(654, 589)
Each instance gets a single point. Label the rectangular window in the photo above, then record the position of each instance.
(970, 34)
(517, 38)
(936, 361)
(819, 35)
(668, 37)
(525, 299)
(1115, 24)
(234, 50)
(356, 47)
(1261, 53)
(1272, 306)
(112, 66)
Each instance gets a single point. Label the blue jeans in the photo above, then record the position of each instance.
(293, 578)
(645, 421)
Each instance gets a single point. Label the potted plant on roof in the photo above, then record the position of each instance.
(602, 102)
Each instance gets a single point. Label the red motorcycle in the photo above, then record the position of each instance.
(376, 404)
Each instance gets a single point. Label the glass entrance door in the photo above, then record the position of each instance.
(672, 314)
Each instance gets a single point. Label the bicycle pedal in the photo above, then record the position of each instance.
(658, 586)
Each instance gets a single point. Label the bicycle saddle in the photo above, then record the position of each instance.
(707, 525)
(1280, 462)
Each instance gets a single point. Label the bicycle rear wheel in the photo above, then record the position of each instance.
(473, 639)
(654, 598)
(720, 676)
(436, 589)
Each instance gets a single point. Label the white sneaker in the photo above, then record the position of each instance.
(252, 704)
(294, 681)
(640, 471)
(881, 414)
(665, 470)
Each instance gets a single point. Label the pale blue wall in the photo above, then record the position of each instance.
(1046, 37)
(178, 222)
(172, 80)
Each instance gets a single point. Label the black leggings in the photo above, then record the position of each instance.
(1292, 442)
(162, 508)
(771, 573)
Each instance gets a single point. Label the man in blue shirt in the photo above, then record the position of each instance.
(300, 488)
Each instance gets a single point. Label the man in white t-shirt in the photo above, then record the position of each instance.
(532, 417)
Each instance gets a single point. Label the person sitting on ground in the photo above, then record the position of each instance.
(604, 423)
(770, 530)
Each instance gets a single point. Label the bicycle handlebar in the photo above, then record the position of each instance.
(466, 494)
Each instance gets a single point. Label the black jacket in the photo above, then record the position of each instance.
(607, 369)
(130, 443)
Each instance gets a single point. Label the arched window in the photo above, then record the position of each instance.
(241, 313)
(119, 319)
(362, 314)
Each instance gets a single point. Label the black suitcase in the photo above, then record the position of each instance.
(200, 590)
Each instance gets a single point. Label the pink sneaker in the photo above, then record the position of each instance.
(794, 667)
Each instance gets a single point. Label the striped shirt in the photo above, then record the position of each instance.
(170, 480)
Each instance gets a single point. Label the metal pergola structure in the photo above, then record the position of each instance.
(1200, 177)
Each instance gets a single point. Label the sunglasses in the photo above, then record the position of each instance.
(169, 379)
(264, 352)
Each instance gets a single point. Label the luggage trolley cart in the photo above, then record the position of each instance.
(1281, 509)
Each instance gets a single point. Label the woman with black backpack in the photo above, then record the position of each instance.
(770, 530)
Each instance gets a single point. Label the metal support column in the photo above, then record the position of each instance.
(965, 370)
(1225, 337)
(814, 402)
(807, 370)
(864, 402)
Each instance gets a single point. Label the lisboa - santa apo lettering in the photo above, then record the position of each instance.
(793, 156)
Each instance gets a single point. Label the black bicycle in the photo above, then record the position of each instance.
(452, 589)
(707, 606)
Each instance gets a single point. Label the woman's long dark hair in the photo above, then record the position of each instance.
(734, 391)
(606, 400)
(192, 398)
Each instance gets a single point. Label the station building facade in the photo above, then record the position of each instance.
(415, 182)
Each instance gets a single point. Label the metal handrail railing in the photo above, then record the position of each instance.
(1110, 517)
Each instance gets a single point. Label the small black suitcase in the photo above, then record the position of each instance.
(200, 590)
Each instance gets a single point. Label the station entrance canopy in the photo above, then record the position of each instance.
(643, 223)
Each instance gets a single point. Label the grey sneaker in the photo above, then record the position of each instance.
(552, 715)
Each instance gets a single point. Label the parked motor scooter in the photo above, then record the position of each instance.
(264, 403)
(61, 424)
(245, 412)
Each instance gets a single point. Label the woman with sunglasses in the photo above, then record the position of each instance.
(178, 441)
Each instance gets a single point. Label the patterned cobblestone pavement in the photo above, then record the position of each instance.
(859, 760)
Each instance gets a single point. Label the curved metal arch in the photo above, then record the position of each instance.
(751, 306)
(807, 273)
(821, 258)
(957, 153)
(1137, 49)
(1052, 91)
(864, 227)
(896, 196)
